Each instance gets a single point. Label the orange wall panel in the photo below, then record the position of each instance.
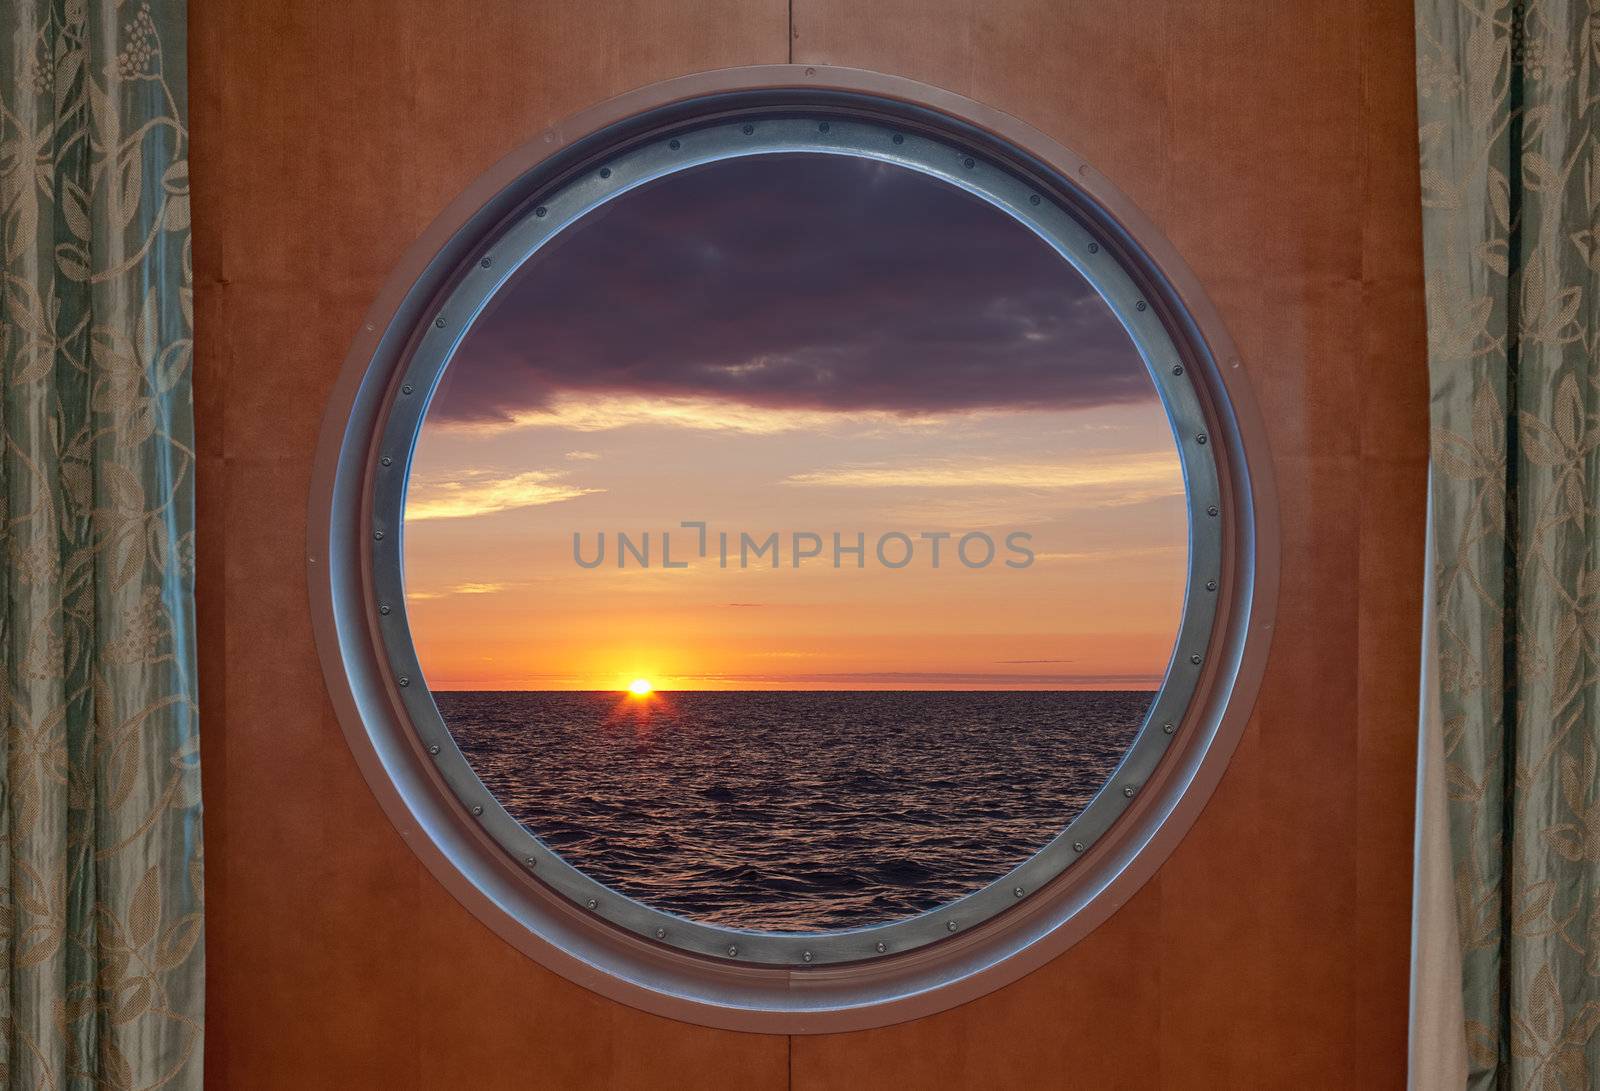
(1275, 146)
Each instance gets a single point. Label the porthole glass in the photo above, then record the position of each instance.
(787, 549)
(795, 542)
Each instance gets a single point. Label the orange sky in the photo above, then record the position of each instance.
(496, 601)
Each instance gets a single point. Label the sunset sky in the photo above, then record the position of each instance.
(795, 344)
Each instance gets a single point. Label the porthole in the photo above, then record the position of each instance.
(996, 466)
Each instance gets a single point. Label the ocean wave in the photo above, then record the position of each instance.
(794, 811)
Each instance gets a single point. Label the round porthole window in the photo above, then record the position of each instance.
(791, 554)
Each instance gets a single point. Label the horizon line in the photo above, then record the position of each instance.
(953, 688)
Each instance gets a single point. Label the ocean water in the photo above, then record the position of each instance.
(794, 811)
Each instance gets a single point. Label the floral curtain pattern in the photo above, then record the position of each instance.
(1509, 97)
(100, 873)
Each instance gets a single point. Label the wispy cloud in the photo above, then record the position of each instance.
(459, 589)
(1111, 553)
(582, 456)
(605, 412)
(481, 492)
(1145, 475)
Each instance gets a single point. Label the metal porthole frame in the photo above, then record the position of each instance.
(710, 974)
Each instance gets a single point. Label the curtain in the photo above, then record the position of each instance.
(100, 877)
(1511, 183)
(1438, 1047)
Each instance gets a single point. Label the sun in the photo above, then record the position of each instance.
(640, 687)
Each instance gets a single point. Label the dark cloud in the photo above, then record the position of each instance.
(813, 281)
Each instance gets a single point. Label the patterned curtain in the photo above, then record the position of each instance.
(1509, 97)
(100, 874)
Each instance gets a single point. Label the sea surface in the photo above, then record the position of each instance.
(794, 811)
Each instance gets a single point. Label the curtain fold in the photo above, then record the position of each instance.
(100, 879)
(1438, 1047)
(1511, 186)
